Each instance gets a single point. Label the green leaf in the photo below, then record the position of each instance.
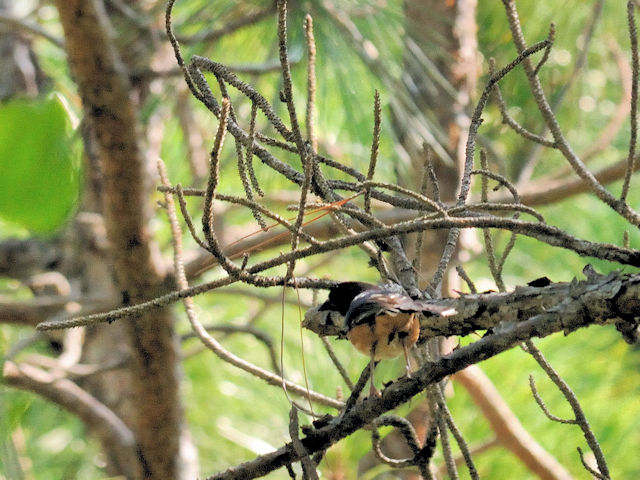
(39, 167)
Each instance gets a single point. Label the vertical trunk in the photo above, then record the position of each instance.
(145, 395)
(443, 33)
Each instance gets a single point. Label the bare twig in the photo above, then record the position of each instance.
(407, 431)
(457, 434)
(588, 467)
(488, 241)
(259, 335)
(337, 363)
(465, 276)
(508, 430)
(426, 201)
(187, 217)
(635, 67)
(509, 120)
(439, 418)
(308, 467)
(311, 82)
(303, 149)
(571, 398)
(356, 390)
(245, 167)
(551, 121)
(200, 330)
(375, 144)
(543, 406)
(210, 195)
(545, 56)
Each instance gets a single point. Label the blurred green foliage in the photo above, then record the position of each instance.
(37, 438)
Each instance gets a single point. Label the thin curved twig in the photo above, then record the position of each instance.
(580, 417)
(633, 118)
(201, 331)
(620, 207)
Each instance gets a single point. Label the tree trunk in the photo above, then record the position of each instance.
(145, 392)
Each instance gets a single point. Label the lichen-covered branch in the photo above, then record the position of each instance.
(600, 299)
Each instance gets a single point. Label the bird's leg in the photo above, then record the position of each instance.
(373, 391)
(405, 349)
(406, 358)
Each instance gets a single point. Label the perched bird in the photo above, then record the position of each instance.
(380, 321)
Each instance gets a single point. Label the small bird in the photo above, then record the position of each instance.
(380, 321)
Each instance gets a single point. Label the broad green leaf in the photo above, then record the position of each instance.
(39, 168)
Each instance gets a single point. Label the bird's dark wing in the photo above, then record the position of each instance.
(341, 296)
(367, 305)
(370, 303)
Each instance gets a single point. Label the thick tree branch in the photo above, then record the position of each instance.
(601, 299)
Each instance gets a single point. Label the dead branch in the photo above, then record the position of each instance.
(600, 299)
(580, 418)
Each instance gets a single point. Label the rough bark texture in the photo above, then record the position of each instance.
(600, 299)
(155, 415)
